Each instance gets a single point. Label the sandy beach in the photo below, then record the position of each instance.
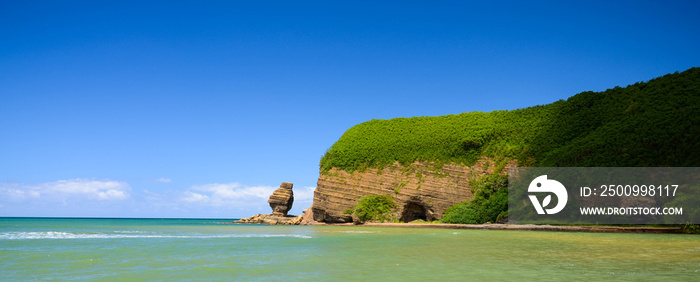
(527, 227)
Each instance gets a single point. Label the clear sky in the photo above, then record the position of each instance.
(202, 108)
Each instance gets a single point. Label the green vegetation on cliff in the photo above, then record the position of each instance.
(489, 203)
(375, 208)
(654, 123)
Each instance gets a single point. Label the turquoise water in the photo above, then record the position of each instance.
(209, 249)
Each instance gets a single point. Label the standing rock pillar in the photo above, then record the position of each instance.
(281, 200)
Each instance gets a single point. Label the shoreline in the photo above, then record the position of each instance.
(522, 227)
(305, 219)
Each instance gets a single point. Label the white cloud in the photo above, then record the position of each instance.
(163, 180)
(228, 194)
(100, 197)
(219, 197)
(303, 198)
(194, 197)
(304, 194)
(112, 194)
(17, 192)
(62, 189)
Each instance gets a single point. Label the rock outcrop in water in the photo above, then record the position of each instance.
(281, 202)
(282, 199)
(272, 219)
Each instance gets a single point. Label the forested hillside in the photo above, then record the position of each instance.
(653, 123)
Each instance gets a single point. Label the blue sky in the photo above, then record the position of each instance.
(202, 108)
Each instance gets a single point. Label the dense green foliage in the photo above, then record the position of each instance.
(489, 203)
(375, 208)
(652, 123)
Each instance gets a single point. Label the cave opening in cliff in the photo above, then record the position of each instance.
(413, 211)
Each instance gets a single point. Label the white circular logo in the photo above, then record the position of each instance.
(542, 184)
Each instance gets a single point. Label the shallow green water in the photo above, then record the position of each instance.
(148, 249)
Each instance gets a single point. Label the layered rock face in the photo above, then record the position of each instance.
(421, 191)
(282, 199)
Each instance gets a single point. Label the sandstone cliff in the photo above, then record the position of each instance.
(421, 190)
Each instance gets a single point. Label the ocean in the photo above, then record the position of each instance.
(213, 249)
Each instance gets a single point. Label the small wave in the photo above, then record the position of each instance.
(129, 232)
(358, 231)
(136, 234)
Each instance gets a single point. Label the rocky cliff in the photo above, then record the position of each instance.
(421, 190)
(646, 124)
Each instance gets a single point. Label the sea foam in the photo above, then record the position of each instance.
(129, 234)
